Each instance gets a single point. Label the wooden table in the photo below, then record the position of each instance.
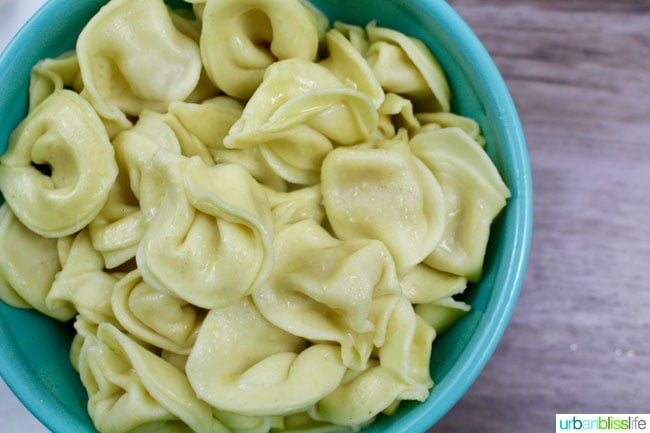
(579, 340)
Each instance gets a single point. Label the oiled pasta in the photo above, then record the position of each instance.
(257, 222)
(241, 38)
(218, 247)
(133, 58)
(59, 166)
(386, 194)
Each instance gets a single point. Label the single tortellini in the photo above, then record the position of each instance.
(132, 389)
(155, 317)
(219, 246)
(386, 194)
(83, 282)
(133, 58)
(324, 289)
(244, 364)
(50, 75)
(404, 65)
(20, 286)
(241, 38)
(59, 167)
(295, 116)
(474, 194)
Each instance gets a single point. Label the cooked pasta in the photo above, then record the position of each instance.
(252, 216)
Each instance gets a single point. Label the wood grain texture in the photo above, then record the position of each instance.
(579, 340)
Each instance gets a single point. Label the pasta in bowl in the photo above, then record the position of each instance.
(294, 217)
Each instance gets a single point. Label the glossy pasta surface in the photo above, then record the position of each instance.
(257, 220)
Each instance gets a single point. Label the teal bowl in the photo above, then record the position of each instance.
(34, 350)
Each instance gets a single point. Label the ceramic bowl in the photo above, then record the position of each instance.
(34, 359)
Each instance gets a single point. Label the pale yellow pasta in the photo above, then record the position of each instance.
(386, 194)
(443, 313)
(64, 136)
(424, 284)
(316, 291)
(355, 34)
(83, 283)
(348, 65)
(133, 58)
(305, 93)
(297, 113)
(155, 317)
(136, 193)
(241, 38)
(129, 387)
(50, 75)
(243, 363)
(401, 372)
(134, 151)
(295, 206)
(218, 247)
(257, 222)
(248, 424)
(396, 113)
(405, 66)
(442, 119)
(20, 286)
(474, 195)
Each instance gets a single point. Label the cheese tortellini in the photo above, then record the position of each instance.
(257, 220)
(59, 167)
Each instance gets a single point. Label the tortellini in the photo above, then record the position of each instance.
(243, 363)
(386, 194)
(131, 388)
(474, 195)
(50, 75)
(59, 167)
(133, 58)
(297, 114)
(82, 280)
(240, 39)
(405, 66)
(20, 286)
(218, 247)
(155, 317)
(317, 292)
(257, 221)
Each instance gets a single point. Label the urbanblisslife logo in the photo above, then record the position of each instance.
(602, 423)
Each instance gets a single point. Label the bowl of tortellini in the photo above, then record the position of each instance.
(254, 215)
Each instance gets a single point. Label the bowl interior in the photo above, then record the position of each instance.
(34, 350)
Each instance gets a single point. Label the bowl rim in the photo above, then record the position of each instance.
(485, 338)
(494, 321)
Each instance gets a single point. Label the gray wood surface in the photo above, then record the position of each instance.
(579, 340)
